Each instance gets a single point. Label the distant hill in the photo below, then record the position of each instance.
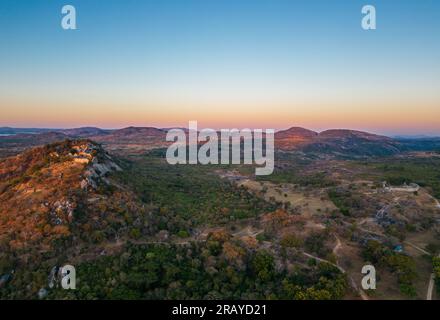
(337, 142)
(14, 144)
(298, 132)
(420, 144)
(12, 131)
(137, 133)
(82, 132)
(294, 138)
(353, 143)
(133, 138)
(85, 132)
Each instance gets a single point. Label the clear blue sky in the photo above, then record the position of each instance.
(268, 63)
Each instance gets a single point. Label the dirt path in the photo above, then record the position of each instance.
(353, 283)
(437, 203)
(431, 285)
(417, 248)
(247, 231)
(337, 246)
(323, 260)
(335, 251)
(432, 276)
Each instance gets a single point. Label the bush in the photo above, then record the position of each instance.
(263, 266)
(135, 233)
(291, 241)
(183, 234)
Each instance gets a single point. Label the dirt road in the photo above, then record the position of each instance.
(335, 251)
(431, 285)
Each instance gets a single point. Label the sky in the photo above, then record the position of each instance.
(224, 63)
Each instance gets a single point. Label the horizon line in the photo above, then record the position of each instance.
(427, 135)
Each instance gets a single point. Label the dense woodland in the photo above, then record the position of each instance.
(213, 270)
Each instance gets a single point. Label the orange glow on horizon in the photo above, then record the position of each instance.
(378, 118)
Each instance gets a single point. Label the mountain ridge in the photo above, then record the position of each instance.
(332, 141)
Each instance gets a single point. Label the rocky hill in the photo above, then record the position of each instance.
(58, 199)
